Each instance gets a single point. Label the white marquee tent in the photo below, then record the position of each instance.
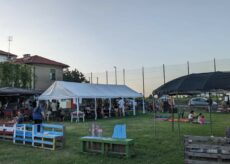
(71, 90)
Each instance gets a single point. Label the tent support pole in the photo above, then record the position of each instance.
(134, 109)
(110, 107)
(123, 108)
(77, 100)
(143, 102)
(95, 109)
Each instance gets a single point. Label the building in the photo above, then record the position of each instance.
(44, 71)
(6, 56)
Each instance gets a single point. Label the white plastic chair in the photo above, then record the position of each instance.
(77, 115)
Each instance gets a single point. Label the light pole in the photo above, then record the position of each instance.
(115, 74)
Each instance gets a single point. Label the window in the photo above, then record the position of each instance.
(52, 74)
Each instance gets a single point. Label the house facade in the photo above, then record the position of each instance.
(6, 56)
(44, 71)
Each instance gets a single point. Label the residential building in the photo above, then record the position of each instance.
(44, 71)
(6, 56)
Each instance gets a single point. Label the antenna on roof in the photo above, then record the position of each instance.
(10, 39)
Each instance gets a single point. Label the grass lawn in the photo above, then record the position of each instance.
(166, 147)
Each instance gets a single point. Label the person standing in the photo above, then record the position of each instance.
(38, 114)
(54, 108)
(121, 104)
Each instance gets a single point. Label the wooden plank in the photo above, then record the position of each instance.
(190, 161)
(207, 155)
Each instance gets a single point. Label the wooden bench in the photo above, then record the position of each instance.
(50, 136)
(108, 146)
(6, 131)
(206, 150)
(24, 134)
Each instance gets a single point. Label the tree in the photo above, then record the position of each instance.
(15, 75)
(74, 76)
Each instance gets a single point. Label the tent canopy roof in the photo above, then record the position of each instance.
(66, 90)
(11, 91)
(202, 82)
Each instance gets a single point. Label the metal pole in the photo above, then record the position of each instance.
(143, 78)
(110, 105)
(154, 121)
(91, 76)
(115, 74)
(134, 107)
(188, 67)
(210, 114)
(107, 81)
(97, 80)
(77, 103)
(123, 108)
(124, 76)
(95, 109)
(164, 72)
(172, 113)
(214, 65)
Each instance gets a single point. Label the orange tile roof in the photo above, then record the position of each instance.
(39, 60)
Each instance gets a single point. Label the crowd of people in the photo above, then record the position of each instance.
(21, 109)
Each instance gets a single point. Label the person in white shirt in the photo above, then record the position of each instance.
(54, 109)
(191, 116)
(121, 104)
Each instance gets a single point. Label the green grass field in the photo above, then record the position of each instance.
(153, 146)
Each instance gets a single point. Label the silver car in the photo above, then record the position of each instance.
(201, 101)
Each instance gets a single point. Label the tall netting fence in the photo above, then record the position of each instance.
(146, 79)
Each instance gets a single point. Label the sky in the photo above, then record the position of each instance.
(96, 35)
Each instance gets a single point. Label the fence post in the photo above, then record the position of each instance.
(188, 67)
(106, 72)
(124, 76)
(164, 72)
(214, 65)
(143, 78)
(91, 76)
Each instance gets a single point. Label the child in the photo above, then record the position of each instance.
(202, 120)
(19, 118)
(191, 116)
(199, 118)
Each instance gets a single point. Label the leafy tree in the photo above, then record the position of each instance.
(74, 76)
(15, 75)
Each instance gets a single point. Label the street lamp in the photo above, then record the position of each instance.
(115, 74)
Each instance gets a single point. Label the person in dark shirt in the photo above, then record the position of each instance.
(38, 114)
(19, 118)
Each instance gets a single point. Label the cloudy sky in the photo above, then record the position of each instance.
(96, 35)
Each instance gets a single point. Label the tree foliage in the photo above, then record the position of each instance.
(15, 75)
(74, 76)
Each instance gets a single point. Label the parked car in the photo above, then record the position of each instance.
(201, 102)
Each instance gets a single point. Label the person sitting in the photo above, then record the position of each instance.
(19, 118)
(191, 116)
(201, 119)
